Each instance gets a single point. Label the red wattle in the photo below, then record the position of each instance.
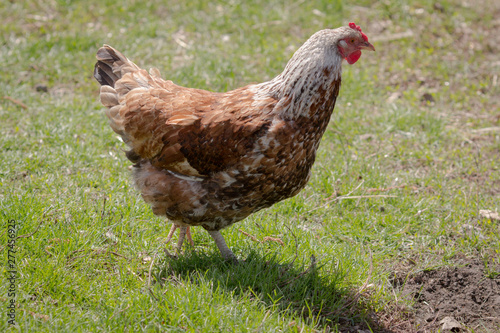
(353, 57)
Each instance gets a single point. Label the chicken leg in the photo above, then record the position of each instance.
(184, 231)
(216, 235)
(221, 244)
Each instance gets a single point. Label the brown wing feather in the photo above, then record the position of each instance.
(190, 131)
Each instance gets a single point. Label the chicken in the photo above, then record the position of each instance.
(211, 159)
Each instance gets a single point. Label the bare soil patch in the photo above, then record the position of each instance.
(464, 293)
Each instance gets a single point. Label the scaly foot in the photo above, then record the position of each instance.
(184, 231)
(223, 248)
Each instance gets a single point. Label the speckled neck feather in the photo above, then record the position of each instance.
(309, 77)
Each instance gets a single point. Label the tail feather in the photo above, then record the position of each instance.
(110, 71)
(104, 74)
(118, 76)
(111, 65)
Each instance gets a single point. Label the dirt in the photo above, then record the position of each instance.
(465, 293)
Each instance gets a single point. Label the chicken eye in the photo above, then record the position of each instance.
(352, 41)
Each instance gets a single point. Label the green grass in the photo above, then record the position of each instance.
(413, 171)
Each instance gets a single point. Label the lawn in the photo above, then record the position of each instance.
(406, 182)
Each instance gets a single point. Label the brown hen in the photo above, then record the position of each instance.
(211, 159)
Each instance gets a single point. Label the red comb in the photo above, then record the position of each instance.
(353, 25)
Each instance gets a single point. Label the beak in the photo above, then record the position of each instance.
(366, 46)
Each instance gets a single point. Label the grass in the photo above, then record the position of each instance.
(398, 173)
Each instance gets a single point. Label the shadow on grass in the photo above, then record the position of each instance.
(313, 291)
